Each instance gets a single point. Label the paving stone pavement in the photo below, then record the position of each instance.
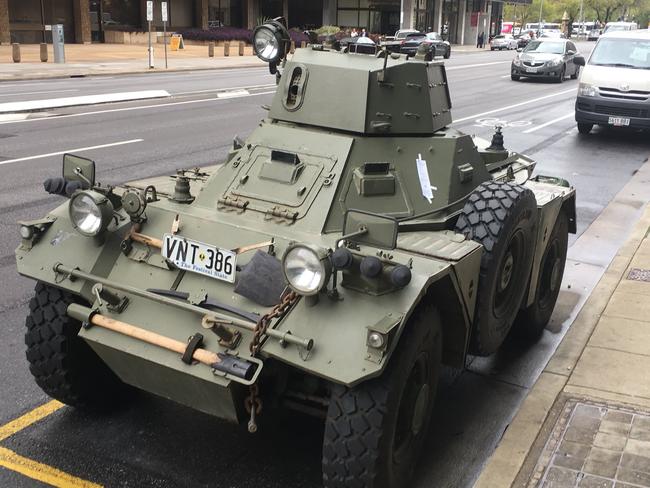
(596, 446)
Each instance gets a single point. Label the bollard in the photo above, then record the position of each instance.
(226, 48)
(15, 52)
(303, 44)
(241, 48)
(43, 52)
(211, 49)
(293, 47)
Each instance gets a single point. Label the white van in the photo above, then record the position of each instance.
(614, 87)
(620, 26)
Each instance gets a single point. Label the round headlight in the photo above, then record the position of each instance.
(90, 212)
(269, 41)
(306, 269)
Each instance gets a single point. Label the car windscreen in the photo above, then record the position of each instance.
(414, 36)
(545, 47)
(622, 53)
(434, 36)
(499, 37)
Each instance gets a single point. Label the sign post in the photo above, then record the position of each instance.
(164, 19)
(149, 20)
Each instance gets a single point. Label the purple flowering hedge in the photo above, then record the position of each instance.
(220, 34)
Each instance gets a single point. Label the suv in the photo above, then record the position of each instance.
(614, 87)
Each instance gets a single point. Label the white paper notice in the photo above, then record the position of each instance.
(425, 183)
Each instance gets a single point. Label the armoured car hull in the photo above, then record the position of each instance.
(414, 234)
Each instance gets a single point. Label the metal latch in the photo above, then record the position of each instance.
(283, 213)
(232, 202)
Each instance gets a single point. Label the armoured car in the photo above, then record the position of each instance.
(348, 248)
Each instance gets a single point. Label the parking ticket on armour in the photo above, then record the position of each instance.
(199, 257)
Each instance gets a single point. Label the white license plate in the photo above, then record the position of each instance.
(619, 121)
(199, 257)
(531, 70)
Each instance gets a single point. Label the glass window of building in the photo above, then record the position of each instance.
(225, 13)
(28, 18)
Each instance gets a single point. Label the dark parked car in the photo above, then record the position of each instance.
(432, 43)
(546, 58)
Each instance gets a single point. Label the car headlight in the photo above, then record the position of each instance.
(269, 41)
(587, 90)
(516, 61)
(555, 62)
(90, 212)
(306, 268)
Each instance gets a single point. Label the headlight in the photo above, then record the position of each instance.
(516, 61)
(269, 41)
(555, 62)
(306, 269)
(90, 212)
(587, 90)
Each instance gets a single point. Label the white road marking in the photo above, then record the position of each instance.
(75, 150)
(508, 107)
(36, 93)
(144, 107)
(550, 122)
(462, 66)
(233, 94)
(224, 89)
(82, 100)
(12, 117)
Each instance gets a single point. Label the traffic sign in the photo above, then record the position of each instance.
(149, 10)
(163, 7)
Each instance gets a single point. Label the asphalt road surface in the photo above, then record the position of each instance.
(153, 442)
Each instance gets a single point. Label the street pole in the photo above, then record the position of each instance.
(539, 25)
(149, 20)
(164, 19)
(582, 20)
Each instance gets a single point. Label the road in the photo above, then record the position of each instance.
(152, 442)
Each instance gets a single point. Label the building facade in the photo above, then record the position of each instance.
(86, 21)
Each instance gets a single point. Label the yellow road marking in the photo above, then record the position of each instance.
(28, 419)
(41, 472)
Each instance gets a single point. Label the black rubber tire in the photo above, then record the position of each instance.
(448, 54)
(561, 75)
(63, 364)
(362, 422)
(575, 75)
(515, 77)
(585, 127)
(531, 321)
(501, 217)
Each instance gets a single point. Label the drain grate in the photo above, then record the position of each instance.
(639, 274)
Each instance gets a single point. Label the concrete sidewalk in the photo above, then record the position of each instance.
(114, 59)
(118, 59)
(586, 422)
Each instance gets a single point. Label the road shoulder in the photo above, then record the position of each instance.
(600, 366)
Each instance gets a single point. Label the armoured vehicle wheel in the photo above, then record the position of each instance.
(500, 216)
(64, 366)
(584, 127)
(514, 77)
(375, 431)
(531, 321)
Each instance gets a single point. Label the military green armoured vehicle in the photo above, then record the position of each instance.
(352, 245)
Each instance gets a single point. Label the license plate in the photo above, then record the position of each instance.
(531, 70)
(199, 257)
(619, 121)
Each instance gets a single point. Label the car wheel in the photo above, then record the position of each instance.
(448, 53)
(531, 321)
(374, 432)
(561, 75)
(514, 77)
(575, 75)
(491, 49)
(502, 218)
(585, 127)
(63, 364)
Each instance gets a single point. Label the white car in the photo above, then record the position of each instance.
(503, 41)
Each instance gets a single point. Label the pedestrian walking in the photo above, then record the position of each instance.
(481, 40)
